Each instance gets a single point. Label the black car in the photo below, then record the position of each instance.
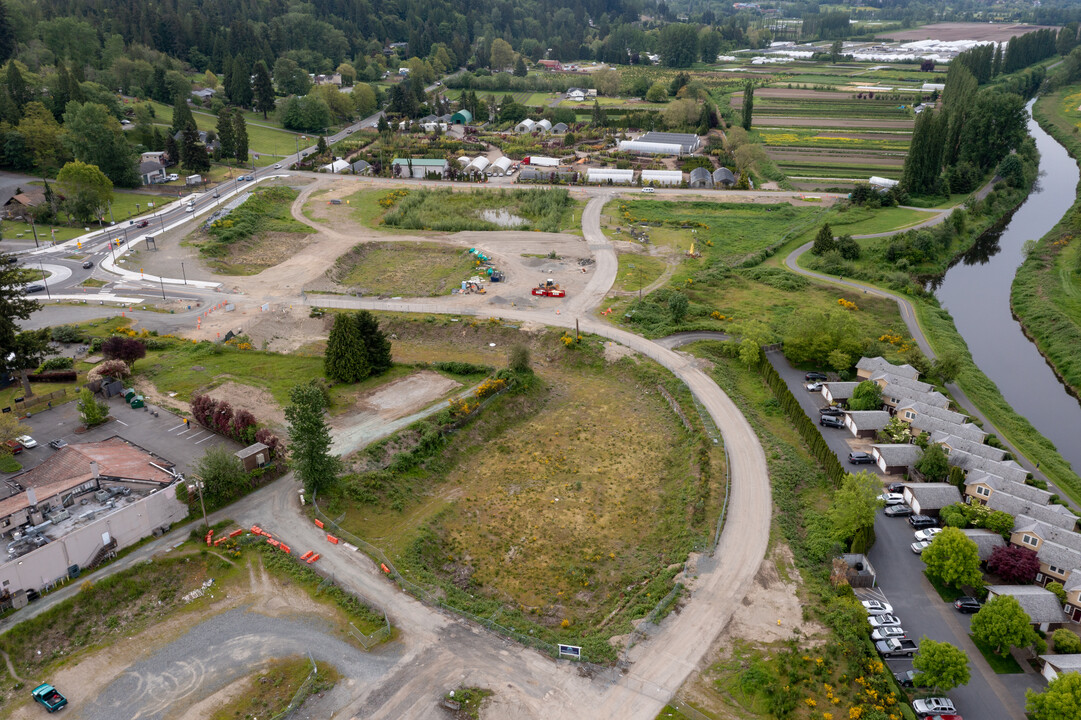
(88, 264)
(831, 421)
(831, 410)
(922, 521)
(967, 604)
(34, 288)
(905, 679)
(815, 376)
(860, 458)
(896, 487)
(897, 511)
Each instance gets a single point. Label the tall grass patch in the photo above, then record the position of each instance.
(265, 211)
(547, 210)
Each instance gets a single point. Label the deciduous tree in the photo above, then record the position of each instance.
(678, 45)
(121, 348)
(86, 190)
(309, 434)
(1014, 565)
(854, 506)
(1058, 702)
(94, 137)
(502, 55)
(940, 666)
(933, 463)
(866, 396)
(1002, 623)
(954, 559)
(222, 475)
(91, 410)
(657, 92)
(606, 81)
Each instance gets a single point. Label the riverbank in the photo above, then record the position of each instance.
(1046, 293)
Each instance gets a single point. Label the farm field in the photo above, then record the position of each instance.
(815, 135)
(565, 509)
(961, 31)
(529, 99)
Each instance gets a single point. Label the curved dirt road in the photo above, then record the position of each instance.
(663, 662)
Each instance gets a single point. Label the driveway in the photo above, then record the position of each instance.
(924, 614)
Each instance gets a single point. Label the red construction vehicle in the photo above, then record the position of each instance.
(549, 288)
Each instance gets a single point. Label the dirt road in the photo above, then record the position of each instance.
(663, 662)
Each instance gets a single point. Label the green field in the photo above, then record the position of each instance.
(450, 211)
(637, 271)
(413, 268)
(261, 140)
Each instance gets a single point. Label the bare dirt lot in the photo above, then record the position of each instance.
(962, 31)
(258, 401)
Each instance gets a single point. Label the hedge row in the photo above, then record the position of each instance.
(807, 429)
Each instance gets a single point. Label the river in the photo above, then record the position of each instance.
(976, 291)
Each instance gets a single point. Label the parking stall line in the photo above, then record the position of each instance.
(208, 437)
(193, 437)
(175, 427)
(122, 423)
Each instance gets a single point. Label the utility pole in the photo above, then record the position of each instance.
(198, 485)
(43, 280)
(183, 273)
(162, 282)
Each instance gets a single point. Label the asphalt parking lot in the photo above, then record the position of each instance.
(924, 614)
(901, 583)
(165, 435)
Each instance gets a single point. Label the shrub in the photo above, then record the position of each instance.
(57, 363)
(66, 334)
(1066, 642)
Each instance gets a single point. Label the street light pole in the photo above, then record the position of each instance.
(43, 280)
(199, 486)
(162, 282)
(183, 273)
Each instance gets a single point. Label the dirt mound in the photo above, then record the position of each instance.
(255, 400)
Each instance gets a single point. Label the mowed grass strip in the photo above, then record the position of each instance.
(413, 268)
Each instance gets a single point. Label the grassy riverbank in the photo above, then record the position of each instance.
(1046, 294)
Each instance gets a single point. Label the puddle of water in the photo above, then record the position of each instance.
(502, 218)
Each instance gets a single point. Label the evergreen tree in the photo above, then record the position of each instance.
(321, 145)
(182, 116)
(264, 89)
(346, 357)
(310, 438)
(241, 93)
(171, 149)
(748, 105)
(996, 64)
(375, 341)
(192, 152)
(384, 126)
(598, 119)
(923, 165)
(157, 88)
(17, 87)
(519, 68)
(824, 241)
(226, 137)
(7, 34)
(240, 136)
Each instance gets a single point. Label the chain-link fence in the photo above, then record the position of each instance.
(301, 694)
(370, 641)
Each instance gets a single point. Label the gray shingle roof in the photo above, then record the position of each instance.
(1065, 663)
(1046, 514)
(1028, 493)
(1041, 604)
(841, 390)
(934, 496)
(1006, 469)
(879, 364)
(889, 378)
(956, 442)
(869, 419)
(902, 455)
(906, 394)
(928, 424)
(986, 541)
(923, 408)
(1074, 581)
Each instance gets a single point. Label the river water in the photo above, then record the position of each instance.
(976, 291)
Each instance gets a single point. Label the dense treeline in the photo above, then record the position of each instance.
(975, 128)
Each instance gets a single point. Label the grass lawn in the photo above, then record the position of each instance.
(862, 221)
(391, 268)
(445, 209)
(1001, 664)
(637, 271)
(367, 210)
(9, 464)
(947, 593)
(261, 140)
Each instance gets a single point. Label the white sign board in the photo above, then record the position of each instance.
(572, 651)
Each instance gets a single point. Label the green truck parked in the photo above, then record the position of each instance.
(49, 696)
